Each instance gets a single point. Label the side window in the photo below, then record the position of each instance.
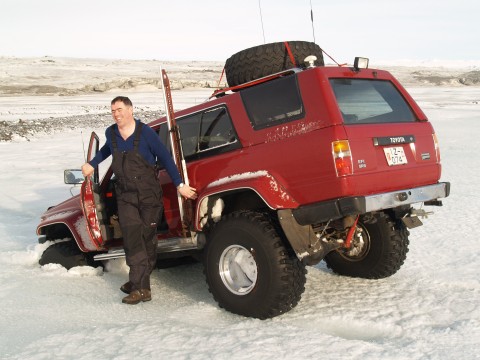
(207, 131)
(215, 129)
(165, 139)
(163, 135)
(189, 128)
(274, 102)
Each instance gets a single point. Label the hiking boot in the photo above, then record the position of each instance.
(136, 296)
(146, 294)
(127, 287)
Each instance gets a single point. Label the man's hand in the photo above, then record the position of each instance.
(188, 192)
(87, 169)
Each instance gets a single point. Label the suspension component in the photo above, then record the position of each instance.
(351, 231)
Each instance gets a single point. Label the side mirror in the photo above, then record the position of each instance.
(73, 176)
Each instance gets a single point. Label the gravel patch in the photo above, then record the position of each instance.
(28, 129)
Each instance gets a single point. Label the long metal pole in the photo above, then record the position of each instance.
(176, 151)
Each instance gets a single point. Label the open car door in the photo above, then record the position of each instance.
(92, 204)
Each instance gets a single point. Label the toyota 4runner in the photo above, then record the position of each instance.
(296, 163)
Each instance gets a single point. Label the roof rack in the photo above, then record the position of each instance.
(221, 92)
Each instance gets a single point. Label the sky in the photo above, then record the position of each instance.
(215, 29)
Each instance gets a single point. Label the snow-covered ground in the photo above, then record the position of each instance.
(428, 310)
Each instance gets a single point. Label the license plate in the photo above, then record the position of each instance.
(395, 155)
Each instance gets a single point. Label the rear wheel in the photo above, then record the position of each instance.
(259, 61)
(66, 254)
(378, 250)
(248, 268)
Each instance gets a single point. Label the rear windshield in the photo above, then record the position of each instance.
(364, 101)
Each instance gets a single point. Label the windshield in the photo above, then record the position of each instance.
(364, 101)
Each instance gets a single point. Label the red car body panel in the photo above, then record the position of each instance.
(291, 164)
(69, 213)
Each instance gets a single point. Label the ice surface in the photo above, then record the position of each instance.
(428, 310)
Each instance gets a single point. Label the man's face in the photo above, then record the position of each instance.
(121, 113)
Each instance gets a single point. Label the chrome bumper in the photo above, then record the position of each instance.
(405, 197)
(356, 205)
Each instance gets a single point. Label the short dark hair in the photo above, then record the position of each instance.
(122, 99)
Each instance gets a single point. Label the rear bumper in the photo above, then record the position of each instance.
(356, 205)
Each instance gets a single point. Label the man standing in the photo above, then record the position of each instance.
(135, 148)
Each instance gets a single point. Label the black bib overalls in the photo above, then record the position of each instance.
(140, 203)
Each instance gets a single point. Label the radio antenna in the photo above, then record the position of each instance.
(261, 20)
(311, 17)
(83, 145)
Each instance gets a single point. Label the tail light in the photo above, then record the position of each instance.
(437, 147)
(342, 157)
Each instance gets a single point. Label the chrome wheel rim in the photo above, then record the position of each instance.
(238, 269)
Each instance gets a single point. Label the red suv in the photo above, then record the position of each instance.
(296, 163)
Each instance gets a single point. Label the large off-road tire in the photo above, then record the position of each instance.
(259, 61)
(378, 250)
(248, 268)
(66, 254)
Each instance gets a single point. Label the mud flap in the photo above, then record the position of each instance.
(412, 221)
(308, 248)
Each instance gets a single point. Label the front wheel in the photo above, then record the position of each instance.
(379, 248)
(66, 254)
(248, 268)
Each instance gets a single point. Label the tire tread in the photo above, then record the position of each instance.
(396, 238)
(291, 271)
(259, 61)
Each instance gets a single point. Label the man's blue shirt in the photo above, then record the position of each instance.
(150, 147)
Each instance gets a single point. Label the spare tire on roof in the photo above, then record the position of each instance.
(259, 61)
